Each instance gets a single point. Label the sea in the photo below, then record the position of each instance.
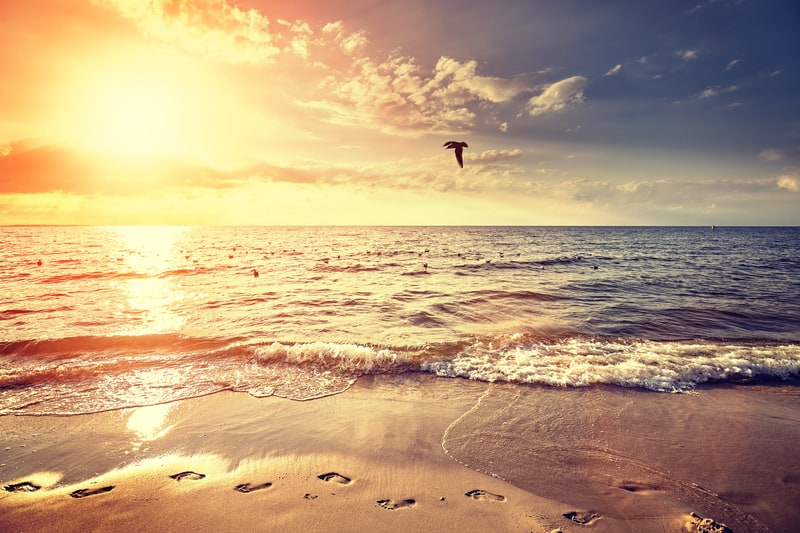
(101, 318)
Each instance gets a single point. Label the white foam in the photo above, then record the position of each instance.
(351, 358)
(658, 366)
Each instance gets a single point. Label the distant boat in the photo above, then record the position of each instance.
(713, 227)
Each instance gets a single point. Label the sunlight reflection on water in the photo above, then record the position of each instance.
(149, 423)
(153, 299)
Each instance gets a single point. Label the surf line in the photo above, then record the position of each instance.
(489, 389)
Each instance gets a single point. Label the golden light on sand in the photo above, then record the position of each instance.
(149, 423)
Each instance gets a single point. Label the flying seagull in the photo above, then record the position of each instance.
(459, 148)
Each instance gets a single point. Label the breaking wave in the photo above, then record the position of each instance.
(89, 374)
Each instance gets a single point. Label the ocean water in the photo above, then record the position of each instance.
(98, 318)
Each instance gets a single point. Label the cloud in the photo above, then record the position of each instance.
(558, 96)
(790, 183)
(732, 63)
(462, 79)
(686, 55)
(711, 92)
(331, 71)
(349, 42)
(210, 27)
(613, 70)
(54, 178)
(37, 166)
(494, 156)
(396, 96)
(33, 166)
(710, 3)
(779, 154)
(666, 197)
(489, 171)
(677, 201)
(221, 30)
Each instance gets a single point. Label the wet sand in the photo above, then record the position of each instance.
(413, 453)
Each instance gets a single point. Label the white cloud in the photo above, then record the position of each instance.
(330, 71)
(558, 96)
(395, 96)
(503, 127)
(778, 154)
(613, 70)
(686, 55)
(711, 92)
(493, 156)
(219, 29)
(349, 42)
(732, 64)
(789, 183)
(213, 28)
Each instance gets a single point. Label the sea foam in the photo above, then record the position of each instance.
(351, 358)
(657, 366)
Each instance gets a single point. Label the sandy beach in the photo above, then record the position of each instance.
(413, 453)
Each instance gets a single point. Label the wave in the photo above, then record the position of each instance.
(89, 374)
(122, 275)
(349, 358)
(9, 314)
(521, 295)
(86, 345)
(652, 365)
(352, 269)
(505, 264)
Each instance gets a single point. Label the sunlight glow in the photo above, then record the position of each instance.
(150, 300)
(149, 423)
(138, 113)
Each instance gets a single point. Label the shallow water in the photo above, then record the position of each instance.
(124, 316)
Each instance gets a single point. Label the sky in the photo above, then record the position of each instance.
(266, 112)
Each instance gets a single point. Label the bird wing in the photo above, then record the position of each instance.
(459, 156)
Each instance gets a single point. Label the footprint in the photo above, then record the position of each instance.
(391, 505)
(25, 486)
(309, 496)
(187, 475)
(247, 487)
(83, 493)
(333, 476)
(479, 494)
(582, 517)
(635, 486)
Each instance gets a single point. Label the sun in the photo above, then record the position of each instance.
(158, 105)
(139, 112)
(140, 105)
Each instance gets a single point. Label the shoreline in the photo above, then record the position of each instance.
(412, 452)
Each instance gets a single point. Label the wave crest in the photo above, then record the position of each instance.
(88, 374)
(656, 366)
(351, 358)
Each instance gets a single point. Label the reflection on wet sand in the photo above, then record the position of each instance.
(149, 423)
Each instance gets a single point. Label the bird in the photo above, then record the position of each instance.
(459, 148)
